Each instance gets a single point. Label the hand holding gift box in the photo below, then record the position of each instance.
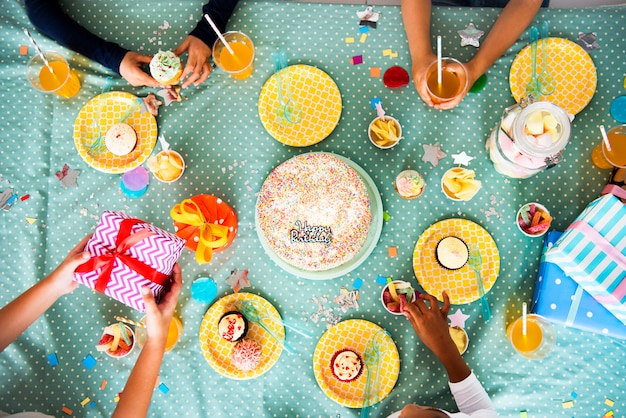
(207, 224)
(592, 251)
(128, 254)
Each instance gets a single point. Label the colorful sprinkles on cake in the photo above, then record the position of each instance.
(322, 191)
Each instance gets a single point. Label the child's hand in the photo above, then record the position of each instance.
(198, 68)
(430, 322)
(419, 69)
(158, 317)
(62, 277)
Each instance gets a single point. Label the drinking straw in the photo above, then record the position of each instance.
(219, 34)
(43, 58)
(130, 322)
(605, 138)
(439, 61)
(524, 318)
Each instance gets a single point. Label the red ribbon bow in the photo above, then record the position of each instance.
(124, 241)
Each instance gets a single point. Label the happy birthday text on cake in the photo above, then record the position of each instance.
(303, 232)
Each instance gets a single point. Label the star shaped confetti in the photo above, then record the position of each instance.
(238, 280)
(347, 299)
(432, 154)
(462, 158)
(67, 176)
(470, 35)
(458, 319)
(588, 41)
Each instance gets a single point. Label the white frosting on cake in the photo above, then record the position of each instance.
(346, 365)
(314, 211)
(120, 139)
(452, 253)
(232, 326)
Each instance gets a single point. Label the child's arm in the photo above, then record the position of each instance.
(135, 399)
(30, 305)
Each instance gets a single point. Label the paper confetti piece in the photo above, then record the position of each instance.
(350, 40)
(23, 50)
(393, 55)
(7, 198)
(85, 401)
(53, 360)
(609, 402)
(31, 220)
(382, 280)
(89, 362)
(67, 410)
(568, 404)
(357, 59)
(458, 319)
(238, 280)
(374, 72)
(25, 197)
(163, 388)
(432, 154)
(116, 398)
(392, 252)
(574, 395)
(462, 158)
(357, 283)
(386, 52)
(92, 404)
(386, 216)
(363, 37)
(608, 414)
(67, 176)
(103, 384)
(347, 299)
(364, 30)
(523, 414)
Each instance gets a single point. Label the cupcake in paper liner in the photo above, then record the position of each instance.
(346, 365)
(409, 184)
(232, 326)
(166, 68)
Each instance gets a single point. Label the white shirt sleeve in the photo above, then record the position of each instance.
(472, 399)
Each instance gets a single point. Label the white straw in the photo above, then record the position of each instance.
(524, 320)
(219, 34)
(605, 138)
(439, 61)
(43, 58)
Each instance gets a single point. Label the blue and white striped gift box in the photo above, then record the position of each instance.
(592, 251)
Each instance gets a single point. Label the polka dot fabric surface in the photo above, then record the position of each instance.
(229, 153)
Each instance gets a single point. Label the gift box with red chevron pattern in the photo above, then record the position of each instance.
(127, 254)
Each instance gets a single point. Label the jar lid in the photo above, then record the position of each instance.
(541, 129)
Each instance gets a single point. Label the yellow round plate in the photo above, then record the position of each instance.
(460, 284)
(313, 92)
(98, 115)
(571, 67)
(217, 350)
(354, 334)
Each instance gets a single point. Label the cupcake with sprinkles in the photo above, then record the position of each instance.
(346, 365)
(166, 68)
(232, 326)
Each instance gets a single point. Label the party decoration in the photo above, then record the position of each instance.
(238, 279)
(7, 198)
(458, 319)
(462, 158)
(470, 35)
(432, 154)
(395, 77)
(150, 104)
(588, 41)
(67, 176)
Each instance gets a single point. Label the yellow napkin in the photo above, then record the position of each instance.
(459, 183)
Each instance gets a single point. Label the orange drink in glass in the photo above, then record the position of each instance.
(453, 80)
(174, 333)
(62, 81)
(602, 157)
(240, 63)
(538, 340)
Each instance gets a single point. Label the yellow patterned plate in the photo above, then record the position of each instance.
(217, 350)
(98, 115)
(460, 284)
(354, 334)
(571, 67)
(313, 92)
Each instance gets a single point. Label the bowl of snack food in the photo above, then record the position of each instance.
(118, 340)
(384, 132)
(533, 219)
(167, 166)
(460, 184)
(396, 294)
(460, 338)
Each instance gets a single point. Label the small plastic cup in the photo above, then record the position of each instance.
(384, 143)
(174, 333)
(539, 339)
(526, 208)
(63, 81)
(240, 64)
(133, 339)
(453, 80)
(167, 172)
(460, 338)
(386, 288)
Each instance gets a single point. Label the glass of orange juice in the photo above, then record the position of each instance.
(538, 340)
(62, 81)
(453, 80)
(240, 63)
(173, 333)
(602, 157)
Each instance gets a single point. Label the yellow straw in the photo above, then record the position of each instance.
(130, 321)
(524, 318)
(219, 34)
(605, 138)
(439, 62)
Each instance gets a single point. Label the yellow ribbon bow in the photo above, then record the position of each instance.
(211, 234)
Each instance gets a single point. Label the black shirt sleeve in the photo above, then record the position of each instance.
(219, 11)
(48, 18)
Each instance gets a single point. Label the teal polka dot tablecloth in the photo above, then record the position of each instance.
(228, 153)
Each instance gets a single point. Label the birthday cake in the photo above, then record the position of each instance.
(313, 212)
